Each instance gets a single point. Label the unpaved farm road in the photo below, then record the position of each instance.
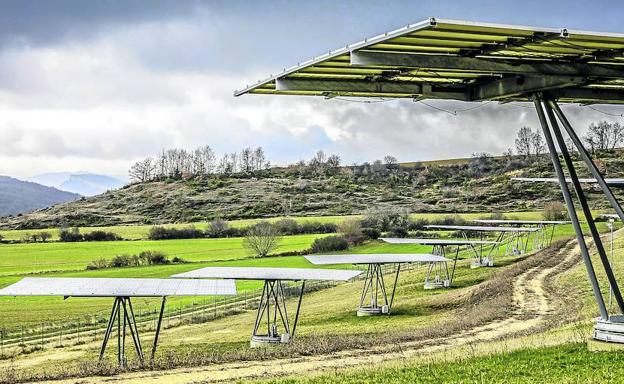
(531, 307)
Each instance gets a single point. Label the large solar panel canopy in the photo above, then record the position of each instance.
(474, 61)
(374, 299)
(273, 304)
(122, 290)
(460, 60)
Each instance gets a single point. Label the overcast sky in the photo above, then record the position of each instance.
(95, 86)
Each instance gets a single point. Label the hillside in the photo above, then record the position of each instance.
(476, 185)
(17, 196)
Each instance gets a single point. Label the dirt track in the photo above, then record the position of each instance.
(531, 307)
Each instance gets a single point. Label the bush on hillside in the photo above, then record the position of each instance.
(385, 220)
(70, 235)
(217, 228)
(287, 226)
(555, 210)
(143, 258)
(163, 233)
(100, 235)
(351, 230)
(262, 238)
(371, 233)
(329, 244)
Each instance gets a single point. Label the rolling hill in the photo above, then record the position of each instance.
(17, 196)
(480, 184)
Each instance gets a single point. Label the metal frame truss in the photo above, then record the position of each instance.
(608, 327)
(273, 308)
(122, 314)
(374, 291)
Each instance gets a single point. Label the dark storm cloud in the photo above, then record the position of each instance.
(35, 22)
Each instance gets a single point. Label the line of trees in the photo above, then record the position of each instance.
(599, 136)
(177, 163)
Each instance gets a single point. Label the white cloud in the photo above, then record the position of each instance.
(100, 104)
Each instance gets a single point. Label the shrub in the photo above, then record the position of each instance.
(154, 257)
(100, 235)
(371, 233)
(287, 227)
(329, 244)
(143, 258)
(70, 235)
(351, 230)
(449, 220)
(121, 261)
(44, 236)
(398, 231)
(262, 238)
(98, 264)
(555, 210)
(385, 220)
(163, 233)
(310, 227)
(217, 228)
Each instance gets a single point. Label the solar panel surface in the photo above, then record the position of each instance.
(436, 241)
(547, 222)
(482, 228)
(462, 60)
(117, 287)
(258, 273)
(375, 258)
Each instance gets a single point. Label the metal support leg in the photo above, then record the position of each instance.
(298, 309)
(109, 328)
(586, 210)
(160, 317)
(571, 210)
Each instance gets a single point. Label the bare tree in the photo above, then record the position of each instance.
(537, 142)
(259, 159)
(390, 160)
(245, 160)
(333, 161)
(143, 170)
(44, 236)
(524, 141)
(262, 238)
(604, 135)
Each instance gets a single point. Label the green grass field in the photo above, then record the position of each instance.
(136, 232)
(569, 363)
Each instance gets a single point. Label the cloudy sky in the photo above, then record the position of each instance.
(97, 85)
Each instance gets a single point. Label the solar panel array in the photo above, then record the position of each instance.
(450, 59)
(437, 241)
(522, 222)
(375, 258)
(258, 273)
(480, 228)
(117, 287)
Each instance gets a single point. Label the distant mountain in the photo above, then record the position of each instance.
(86, 184)
(17, 196)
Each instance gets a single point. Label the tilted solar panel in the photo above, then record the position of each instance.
(259, 273)
(482, 228)
(117, 287)
(461, 60)
(528, 222)
(388, 258)
(436, 241)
